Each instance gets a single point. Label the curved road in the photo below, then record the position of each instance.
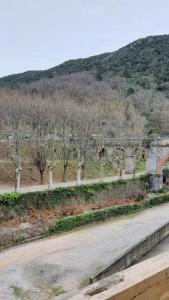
(42, 269)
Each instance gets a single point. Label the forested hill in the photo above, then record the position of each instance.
(144, 57)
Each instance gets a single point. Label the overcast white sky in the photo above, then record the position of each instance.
(39, 34)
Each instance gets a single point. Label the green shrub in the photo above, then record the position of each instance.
(163, 191)
(59, 196)
(159, 199)
(69, 223)
(130, 91)
(10, 198)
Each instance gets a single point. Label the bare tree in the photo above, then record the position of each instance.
(17, 157)
(65, 115)
(83, 128)
(14, 117)
(62, 126)
(41, 135)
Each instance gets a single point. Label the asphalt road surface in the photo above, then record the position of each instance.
(43, 269)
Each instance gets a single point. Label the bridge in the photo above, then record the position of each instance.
(155, 150)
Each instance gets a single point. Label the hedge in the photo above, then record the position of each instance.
(156, 200)
(10, 199)
(50, 198)
(69, 223)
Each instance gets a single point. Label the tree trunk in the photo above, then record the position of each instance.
(50, 178)
(41, 177)
(17, 179)
(64, 173)
(134, 172)
(83, 171)
(79, 168)
(121, 172)
(101, 172)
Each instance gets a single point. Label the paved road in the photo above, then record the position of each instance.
(33, 188)
(39, 269)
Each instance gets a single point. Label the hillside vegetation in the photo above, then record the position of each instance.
(147, 57)
(137, 75)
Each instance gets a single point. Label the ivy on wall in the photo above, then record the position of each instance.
(49, 199)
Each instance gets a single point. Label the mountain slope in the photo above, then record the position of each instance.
(144, 57)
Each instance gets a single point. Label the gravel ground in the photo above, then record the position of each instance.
(44, 269)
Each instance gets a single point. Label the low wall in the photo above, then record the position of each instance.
(146, 280)
(132, 255)
(26, 231)
(12, 205)
(21, 234)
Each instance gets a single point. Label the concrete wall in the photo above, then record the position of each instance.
(148, 280)
(132, 255)
(158, 154)
(155, 182)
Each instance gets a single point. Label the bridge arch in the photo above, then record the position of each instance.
(158, 154)
(161, 163)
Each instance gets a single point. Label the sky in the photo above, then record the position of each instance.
(39, 34)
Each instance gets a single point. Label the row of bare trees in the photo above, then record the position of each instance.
(59, 128)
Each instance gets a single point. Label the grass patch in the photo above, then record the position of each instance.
(50, 291)
(20, 293)
(17, 291)
(56, 291)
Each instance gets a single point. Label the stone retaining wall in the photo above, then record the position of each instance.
(10, 236)
(72, 196)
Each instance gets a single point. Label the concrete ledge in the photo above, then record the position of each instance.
(132, 255)
(146, 280)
